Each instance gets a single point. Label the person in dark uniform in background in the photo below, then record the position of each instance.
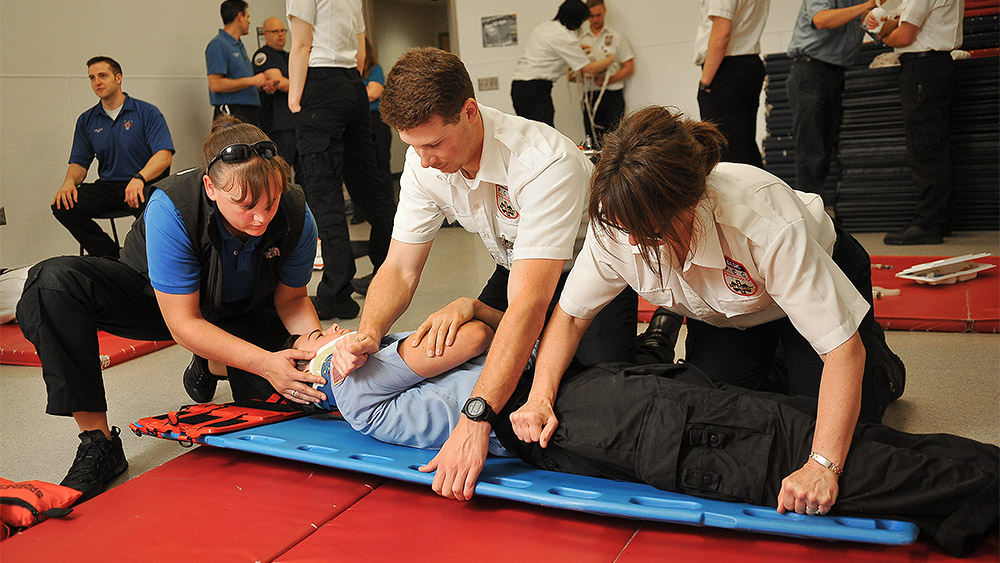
(923, 37)
(727, 48)
(275, 117)
(826, 38)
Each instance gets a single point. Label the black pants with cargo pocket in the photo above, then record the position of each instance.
(671, 427)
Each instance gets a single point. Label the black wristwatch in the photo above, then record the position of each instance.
(704, 87)
(138, 176)
(476, 408)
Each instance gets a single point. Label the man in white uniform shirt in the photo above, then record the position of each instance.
(924, 36)
(727, 47)
(523, 188)
(600, 41)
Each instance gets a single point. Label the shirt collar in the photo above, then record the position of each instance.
(707, 245)
(127, 106)
(227, 37)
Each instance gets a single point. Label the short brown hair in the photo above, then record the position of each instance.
(251, 176)
(423, 83)
(116, 68)
(592, 3)
(650, 178)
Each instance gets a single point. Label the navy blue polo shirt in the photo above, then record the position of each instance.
(175, 267)
(227, 56)
(274, 112)
(123, 146)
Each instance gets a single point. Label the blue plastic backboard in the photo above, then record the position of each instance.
(329, 441)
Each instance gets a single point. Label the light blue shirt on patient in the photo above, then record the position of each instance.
(388, 401)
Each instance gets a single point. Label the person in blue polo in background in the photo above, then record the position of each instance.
(232, 84)
(132, 144)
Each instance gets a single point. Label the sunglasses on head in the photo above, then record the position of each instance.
(241, 152)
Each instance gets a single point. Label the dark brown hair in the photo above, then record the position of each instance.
(115, 67)
(423, 83)
(251, 177)
(650, 177)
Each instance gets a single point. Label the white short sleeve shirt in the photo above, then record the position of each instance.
(528, 200)
(940, 23)
(608, 42)
(550, 50)
(763, 252)
(336, 25)
(748, 17)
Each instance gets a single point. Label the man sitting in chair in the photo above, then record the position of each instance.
(132, 145)
(696, 437)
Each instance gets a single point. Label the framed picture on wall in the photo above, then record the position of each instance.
(500, 31)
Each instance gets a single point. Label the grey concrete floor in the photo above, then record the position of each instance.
(953, 383)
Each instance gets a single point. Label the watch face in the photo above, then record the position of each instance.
(475, 408)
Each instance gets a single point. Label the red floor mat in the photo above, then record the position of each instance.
(221, 505)
(206, 505)
(406, 522)
(972, 306)
(15, 350)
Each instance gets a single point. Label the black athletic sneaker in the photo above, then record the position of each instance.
(199, 382)
(99, 459)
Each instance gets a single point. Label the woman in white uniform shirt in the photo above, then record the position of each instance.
(552, 47)
(754, 265)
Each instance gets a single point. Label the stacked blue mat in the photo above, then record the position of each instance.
(329, 441)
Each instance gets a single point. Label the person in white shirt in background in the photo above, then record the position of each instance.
(552, 47)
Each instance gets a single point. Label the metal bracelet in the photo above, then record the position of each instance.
(820, 459)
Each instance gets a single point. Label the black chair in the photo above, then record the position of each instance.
(112, 215)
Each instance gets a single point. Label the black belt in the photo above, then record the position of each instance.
(331, 71)
(808, 59)
(910, 56)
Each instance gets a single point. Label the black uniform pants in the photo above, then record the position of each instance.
(67, 299)
(95, 199)
(335, 143)
(668, 426)
(732, 105)
(815, 89)
(533, 100)
(287, 149)
(608, 115)
(383, 139)
(926, 84)
(775, 357)
(611, 337)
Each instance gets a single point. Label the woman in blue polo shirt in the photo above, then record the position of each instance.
(223, 271)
